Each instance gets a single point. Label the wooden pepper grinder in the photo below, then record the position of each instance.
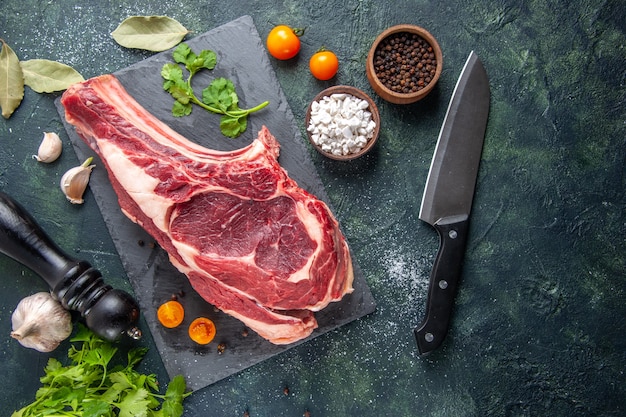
(107, 311)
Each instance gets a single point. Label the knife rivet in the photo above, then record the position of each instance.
(453, 234)
(443, 284)
(429, 337)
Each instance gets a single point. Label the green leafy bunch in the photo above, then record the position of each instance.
(92, 387)
(219, 97)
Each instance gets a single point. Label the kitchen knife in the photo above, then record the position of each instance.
(448, 196)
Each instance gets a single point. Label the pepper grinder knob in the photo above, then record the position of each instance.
(107, 311)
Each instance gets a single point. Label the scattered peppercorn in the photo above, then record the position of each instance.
(221, 348)
(286, 390)
(404, 62)
(244, 332)
(307, 414)
(177, 295)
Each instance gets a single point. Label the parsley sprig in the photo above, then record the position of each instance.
(91, 387)
(219, 97)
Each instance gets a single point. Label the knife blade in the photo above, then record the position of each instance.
(448, 195)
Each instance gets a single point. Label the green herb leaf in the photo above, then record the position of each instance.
(176, 389)
(194, 63)
(45, 76)
(171, 72)
(135, 403)
(121, 381)
(83, 334)
(206, 60)
(181, 92)
(219, 97)
(220, 94)
(233, 126)
(173, 404)
(152, 33)
(172, 409)
(135, 356)
(96, 408)
(11, 81)
(91, 387)
(179, 109)
(181, 54)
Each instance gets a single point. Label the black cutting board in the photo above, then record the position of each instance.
(243, 59)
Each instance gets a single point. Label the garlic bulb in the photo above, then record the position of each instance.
(74, 182)
(50, 148)
(40, 322)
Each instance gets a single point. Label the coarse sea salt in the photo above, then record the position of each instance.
(341, 124)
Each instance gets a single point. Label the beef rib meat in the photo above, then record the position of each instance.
(250, 240)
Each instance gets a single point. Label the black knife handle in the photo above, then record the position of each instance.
(78, 286)
(444, 280)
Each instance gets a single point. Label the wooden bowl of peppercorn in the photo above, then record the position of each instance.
(404, 64)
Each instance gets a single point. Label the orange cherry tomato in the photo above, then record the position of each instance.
(171, 314)
(283, 42)
(202, 330)
(324, 65)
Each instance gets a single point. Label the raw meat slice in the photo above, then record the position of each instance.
(251, 242)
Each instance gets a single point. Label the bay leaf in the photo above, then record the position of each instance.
(152, 33)
(45, 76)
(11, 81)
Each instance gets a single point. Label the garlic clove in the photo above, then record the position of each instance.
(40, 322)
(74, 182)
(50, 148)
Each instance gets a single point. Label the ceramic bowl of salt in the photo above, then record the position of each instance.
(342, 123)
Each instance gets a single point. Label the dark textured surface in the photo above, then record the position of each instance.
(153, 277)
(538, 327)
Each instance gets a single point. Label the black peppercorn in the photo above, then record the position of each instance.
(404, 62)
